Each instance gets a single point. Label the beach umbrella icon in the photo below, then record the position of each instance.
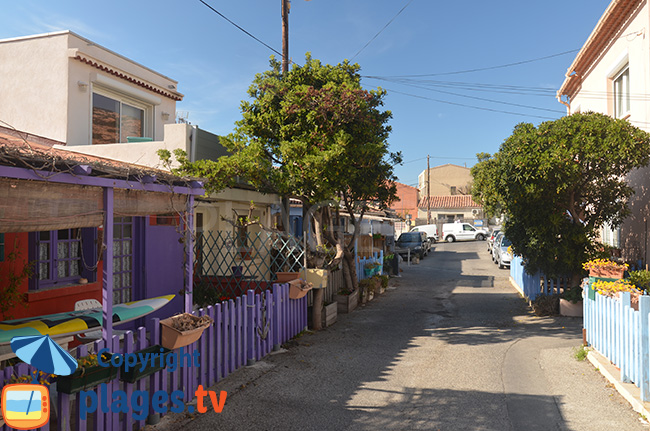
(44, 354)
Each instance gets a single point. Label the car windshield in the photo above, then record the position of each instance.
(409, 237)
(505, 242)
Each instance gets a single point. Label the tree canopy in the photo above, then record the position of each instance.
(557, 183)
(312, 133)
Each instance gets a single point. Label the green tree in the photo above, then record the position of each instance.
(558, 183)
(314, 134)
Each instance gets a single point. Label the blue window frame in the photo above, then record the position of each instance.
(62, 257)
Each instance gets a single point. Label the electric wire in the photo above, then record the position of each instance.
(380, 31)
(240, 28)
(470, 106)
(480, 69)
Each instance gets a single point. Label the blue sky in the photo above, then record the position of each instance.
(214, 62)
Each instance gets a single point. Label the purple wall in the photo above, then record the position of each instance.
(163, 267)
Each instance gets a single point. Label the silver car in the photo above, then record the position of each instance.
(491, 237)
(502, 256)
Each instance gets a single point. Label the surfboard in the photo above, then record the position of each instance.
(76, 322)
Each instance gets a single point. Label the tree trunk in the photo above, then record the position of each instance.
(349, 270)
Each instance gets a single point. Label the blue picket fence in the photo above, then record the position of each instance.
(621, 334)
(377, 260)
(533, 285)
(245, 330)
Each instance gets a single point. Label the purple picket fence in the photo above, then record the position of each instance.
(244, 331)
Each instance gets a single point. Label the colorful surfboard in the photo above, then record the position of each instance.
(76, 322)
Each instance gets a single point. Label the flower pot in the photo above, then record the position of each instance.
(317, 277)
(568, 308)
(330, 313)
(298, 288)
(245, 254)
(615, 273)
(136, 372)
(285, 277)
(347, 303)
(86, 378)
(172, 338)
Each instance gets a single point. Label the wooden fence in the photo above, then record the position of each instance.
(533, 285)
(621, 334)
(235, 339)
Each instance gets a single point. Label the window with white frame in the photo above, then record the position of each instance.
(61, 257)
(611, 236)
(622, 93)
(116, 117)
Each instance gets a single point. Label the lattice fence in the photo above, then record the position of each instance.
(234, 263)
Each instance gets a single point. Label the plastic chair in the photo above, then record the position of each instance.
(89, 304)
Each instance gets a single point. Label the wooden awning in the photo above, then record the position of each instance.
(33, 206)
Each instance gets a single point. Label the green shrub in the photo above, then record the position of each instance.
(641, 279)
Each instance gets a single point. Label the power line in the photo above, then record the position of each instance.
(240, 28)
(380, 31)
(470, 106)
(486, 100)
(480, 69)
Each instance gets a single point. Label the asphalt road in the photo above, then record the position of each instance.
(450, 346)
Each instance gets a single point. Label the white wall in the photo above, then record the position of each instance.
(39, 84)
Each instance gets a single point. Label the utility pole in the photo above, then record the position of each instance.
(428, 192)
(285, 36)
(286, 208)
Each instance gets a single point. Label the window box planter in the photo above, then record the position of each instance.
(317, 277)
(135, 373)
(173, 338)
(614, 273)
(347, 303)
(330, 313)
(299, 288)
(285, 277)
(86, 378)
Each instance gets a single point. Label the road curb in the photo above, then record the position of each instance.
(629, 391)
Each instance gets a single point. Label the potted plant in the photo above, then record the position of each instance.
(347, 300)
(640, 279)
(137, 371)
(571, 302)
(182, 330)
(88, 374)
(614, 288)
(371, 268)
(605, 268)
(383, 283)
(285, 277)
(299, 288)
(368, 286)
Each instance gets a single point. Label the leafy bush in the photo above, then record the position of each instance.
(573, 294)
(641, 279)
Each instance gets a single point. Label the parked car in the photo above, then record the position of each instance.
(416, 242)
(491, 237)
(430, 229)
(502, 255)
(493, 251)
(462, 232)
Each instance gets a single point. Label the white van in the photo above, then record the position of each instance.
(430, 229)
(462, 232)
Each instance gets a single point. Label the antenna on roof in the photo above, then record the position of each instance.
(182, 116)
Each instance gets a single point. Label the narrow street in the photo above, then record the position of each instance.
(450, 347)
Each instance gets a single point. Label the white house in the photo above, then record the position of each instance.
(611, 75)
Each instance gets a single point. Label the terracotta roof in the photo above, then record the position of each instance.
(18, 150)
(616, 17)
(123, 75)
(456, 201)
